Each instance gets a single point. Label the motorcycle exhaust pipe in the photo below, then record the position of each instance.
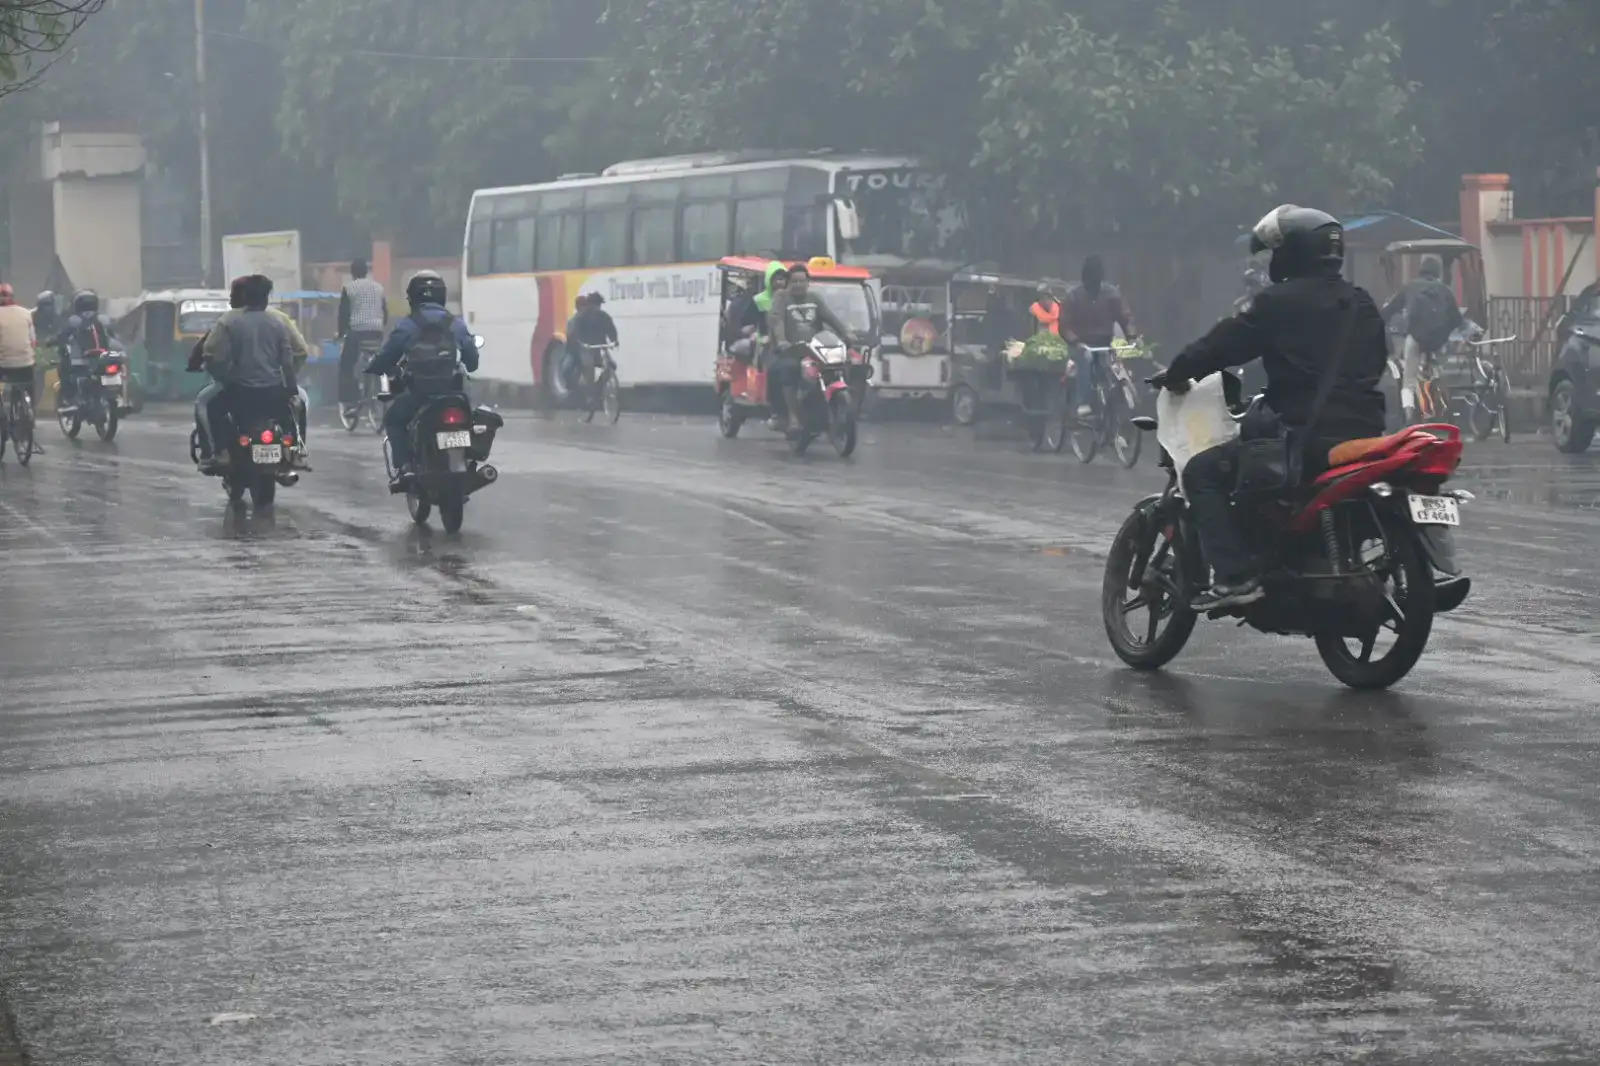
(287, 478)
(487, 474)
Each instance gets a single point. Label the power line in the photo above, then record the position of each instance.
(417, 55)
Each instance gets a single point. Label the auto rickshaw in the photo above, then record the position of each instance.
(987, 312)
(741, 379)
(158, 333)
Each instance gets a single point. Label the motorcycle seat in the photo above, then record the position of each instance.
(1364, 448)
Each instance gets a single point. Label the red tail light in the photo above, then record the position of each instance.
(266, 436)
(113, 368)
(452, 416)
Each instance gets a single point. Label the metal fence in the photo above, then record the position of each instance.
(1532, 319)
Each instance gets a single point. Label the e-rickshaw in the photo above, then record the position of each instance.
(158, 333)
(987, 312)
(741, 378)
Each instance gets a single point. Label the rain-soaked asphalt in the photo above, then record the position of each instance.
(687, 751)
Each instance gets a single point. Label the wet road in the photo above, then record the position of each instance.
(688, 751)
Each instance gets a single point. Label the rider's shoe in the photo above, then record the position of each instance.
(1084, 410)
(1229, 594)
(213, 465)
(401, 480)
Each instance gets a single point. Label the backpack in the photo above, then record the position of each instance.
(1431, 313)
(433, 360)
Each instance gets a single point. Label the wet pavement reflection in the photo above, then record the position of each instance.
(686, 750)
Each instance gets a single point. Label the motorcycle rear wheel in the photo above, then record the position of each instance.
(71, 423)
(452, 506)
(107, 426)
(263, 490)
(1408, 585)
(1164, 580)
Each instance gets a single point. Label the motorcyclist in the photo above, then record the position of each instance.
(591, 326)
(250, 353)
(434, 333)
(1308, 324)
(1431, 315)
(84, 331)
(46, 317)
(798, 313)
(1091, 311)
(363, 317)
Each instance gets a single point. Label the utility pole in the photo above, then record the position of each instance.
(205, 141)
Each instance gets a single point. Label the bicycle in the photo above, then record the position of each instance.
(1112, 402)
(374, 391)
(603, 393)
(1482, 402)
(16, 421)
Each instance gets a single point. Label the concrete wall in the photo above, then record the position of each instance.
(98, 234)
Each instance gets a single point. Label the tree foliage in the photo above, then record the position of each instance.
(33, 31)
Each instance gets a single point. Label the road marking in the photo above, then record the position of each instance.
(41, 530)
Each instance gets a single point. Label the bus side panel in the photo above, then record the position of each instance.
(666, 317)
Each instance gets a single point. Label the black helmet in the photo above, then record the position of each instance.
(85, 302)
(46, 301)
(426, 287)
(1304, 242)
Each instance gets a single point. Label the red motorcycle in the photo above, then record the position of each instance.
(1362, 554)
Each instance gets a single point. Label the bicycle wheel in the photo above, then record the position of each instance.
(611, 399)
(350, 415)
(1502, 392)
(591, 401)
(1125, 438)
(21, 423)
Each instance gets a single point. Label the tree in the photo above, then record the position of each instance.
(34, 31)
(409, 109)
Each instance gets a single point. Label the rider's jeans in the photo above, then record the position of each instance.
(1410, 368)
(1209, 480)
(1086, 361)
(348, 355)
(204, 406)
(397, 427)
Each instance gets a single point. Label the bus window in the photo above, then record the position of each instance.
(658, 191)
(758, 225)
(705, 232)
(478, 248)
(560, 242)
(805, 221)
(605, 237)
(511, 247)
(654, 234)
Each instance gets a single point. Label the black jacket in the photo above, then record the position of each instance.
(1294, 329)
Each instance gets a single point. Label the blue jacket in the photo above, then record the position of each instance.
(405, 332)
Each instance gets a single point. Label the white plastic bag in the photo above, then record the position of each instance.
(1191, 423)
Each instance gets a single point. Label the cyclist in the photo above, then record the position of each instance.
(1088, 317)
(1431, 315)
(17, 342)
(592, 326)
(363, 316)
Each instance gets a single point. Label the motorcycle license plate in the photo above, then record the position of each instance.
(458, 439)
(1435, 511)
(111, 379)
(266, 453)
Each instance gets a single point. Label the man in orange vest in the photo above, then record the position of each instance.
(1047, 312)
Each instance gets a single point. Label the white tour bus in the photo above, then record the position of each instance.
(647, 236)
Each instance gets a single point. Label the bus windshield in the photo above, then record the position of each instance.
(904, 213)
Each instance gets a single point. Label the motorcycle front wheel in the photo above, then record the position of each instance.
(1409, 594)
(1148, 624)
(842, 425)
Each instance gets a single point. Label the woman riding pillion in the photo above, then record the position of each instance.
(432, 330)
(1321, 343)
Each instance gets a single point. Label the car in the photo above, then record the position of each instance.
(1575, 379)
